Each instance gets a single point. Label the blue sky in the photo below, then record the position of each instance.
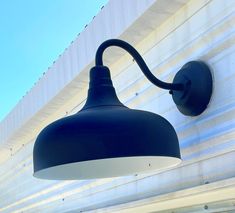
(33, 33)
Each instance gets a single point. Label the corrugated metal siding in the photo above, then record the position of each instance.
(199, 30)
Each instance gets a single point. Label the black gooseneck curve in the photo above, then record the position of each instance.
(139, 60)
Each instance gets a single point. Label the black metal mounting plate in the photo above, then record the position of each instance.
(197, 78)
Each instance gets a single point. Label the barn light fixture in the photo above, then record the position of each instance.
(107, 139)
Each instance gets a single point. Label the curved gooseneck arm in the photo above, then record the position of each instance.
(139, 60)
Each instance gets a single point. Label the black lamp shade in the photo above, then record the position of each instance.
(104, 139)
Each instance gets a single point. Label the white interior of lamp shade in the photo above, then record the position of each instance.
(104, 168)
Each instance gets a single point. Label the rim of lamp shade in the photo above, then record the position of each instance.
(104, 168)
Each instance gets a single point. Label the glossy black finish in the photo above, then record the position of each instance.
(197, 78)
(104, 128)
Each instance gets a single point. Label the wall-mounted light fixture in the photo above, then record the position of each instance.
(107, 139)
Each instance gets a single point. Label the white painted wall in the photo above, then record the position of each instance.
(168, 33)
